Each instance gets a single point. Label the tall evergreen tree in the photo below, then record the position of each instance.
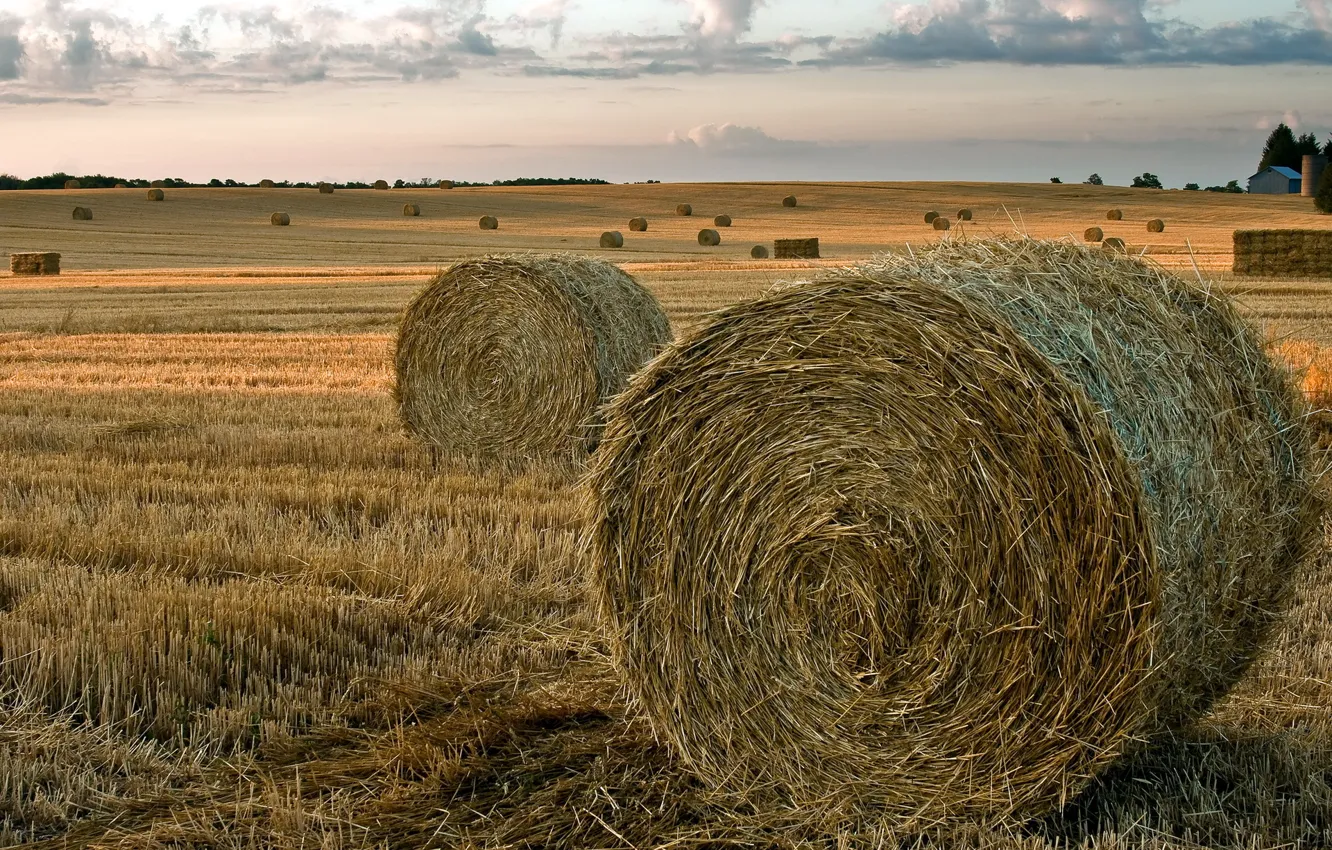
(1281, 149)
(1323, 197)
(1327, 148)
(1307, 145)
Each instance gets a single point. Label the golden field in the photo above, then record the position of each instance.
(239, 609)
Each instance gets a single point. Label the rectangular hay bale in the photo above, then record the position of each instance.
(1283, 253)
(796, 249)
(36, 263)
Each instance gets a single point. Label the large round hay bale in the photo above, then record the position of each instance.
(759, 252)
(1093, 234)
(684, 209)
(157, 184)
(267, 184)
(280, 219)
(612, 239)
(1114, 243)
(489, 222)
(325, 188)
(722, 221)
(510, 358)
(411, 209)
(931, 217)
(942, 223)
(446, 184)
(709, 238)
(156, 195)
(638, 225)
(1156, 225)
(939, 538)
(73, 184)
(381, 184)
(964, 215)
(789, 201)
(82, 214)
(1115, 215)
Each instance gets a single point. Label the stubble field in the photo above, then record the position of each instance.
(238, 608)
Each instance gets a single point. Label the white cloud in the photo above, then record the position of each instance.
(1320, 14)
(733, 138)
(1292, 119)
(724, 18)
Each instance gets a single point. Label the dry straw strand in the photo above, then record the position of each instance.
(506, 359)
(709, 238)
(280, 219)
(638, 225)
(489, 222)
(938, 538)
(1156, 225)
(156, 195)
(612, 239)
(1114, 243)
(1093, 234)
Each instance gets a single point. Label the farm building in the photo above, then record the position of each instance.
(1276, 180)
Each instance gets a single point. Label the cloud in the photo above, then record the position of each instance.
(11, 48)
(727, 19)
(734, 139)
(1320, 14)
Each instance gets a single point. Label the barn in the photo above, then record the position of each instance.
(1277, 180)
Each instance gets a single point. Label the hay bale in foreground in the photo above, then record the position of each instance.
(1093, 234)
(1156, 225)
(35, 263)
(979, 535)
(796, 249)
(381, 185)
(156, 195)
(489, 222)
(964, 215)
(942, 223)
(411, 209)
(612, 239)
(789, 201)
(684, 209)
(931, 217)
(325, 188)
(1114, 243)
(280, 219)
(759, 252)
(638, 225)
(709, 238)
(82, 214)
(506, 359)
(722, 221)
(267, 184)
(1114, 215)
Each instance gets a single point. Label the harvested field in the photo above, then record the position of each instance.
(201, 444)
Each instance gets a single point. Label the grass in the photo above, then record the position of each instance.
(238, 609)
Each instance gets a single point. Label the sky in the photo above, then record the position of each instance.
(627, 90)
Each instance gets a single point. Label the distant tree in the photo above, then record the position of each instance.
(1306, 145)
(1281, 150)
(231, 183)
(1148, 180)
(399, 183)
(1190, 187)
(1323, 197)
(215, 183)
(1231, 188)
(1327, 148)
(9, 181)
(1094, 180)
(1055, 180)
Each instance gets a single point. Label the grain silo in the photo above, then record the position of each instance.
(1311, 173)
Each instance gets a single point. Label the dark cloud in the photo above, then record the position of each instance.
(11, 56)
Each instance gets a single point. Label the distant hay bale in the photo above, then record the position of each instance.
(73, 184)
(1156, 225)
(759, 252)
(684, 209)
(709, 238)
(638, 225)
(122, 186)
(942, 223)
(937, 539)
(722, 221)
(325, 188)
(35, 263)
(280, 219)
(964, 215)
(1114, 243)
(1115, 215)
(157, 184)
(612, 239)
(489, 222)
(1283, 253)
(82, 214)
(789, 201)
(266, 184)
(796, 249)
(156, 195)
(1093, 234)
(506, 359)
(381, 184)
(931, 217)
(411, 209)
(446, 184)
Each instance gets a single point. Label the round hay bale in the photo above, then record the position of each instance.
(267, 184)
(942, 223)
(684, 209)
(1115, 215)
(931, 217)
(1093, 234)
(280, 219)
(981, 535)
(489, 222)
(157, 184)
(759, 252)
(381, 184)
(638, 225)
(1156, 225)
(325, 188)
(446, 184)
(1114, 243)
(722, 221)
(709, 238)
(411, 209)
(82, 214)
(122, 186)
(73, 184)
(510, 358)
(156, 195)
(964, 215)
(789, 201)
(612, 239)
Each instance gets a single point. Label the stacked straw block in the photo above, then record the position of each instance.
(35, 264)
(1283, 253)
(796, 249)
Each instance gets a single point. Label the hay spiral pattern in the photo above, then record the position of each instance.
(938, 538)
(507, 359)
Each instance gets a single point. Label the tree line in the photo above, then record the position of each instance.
(102, 181)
